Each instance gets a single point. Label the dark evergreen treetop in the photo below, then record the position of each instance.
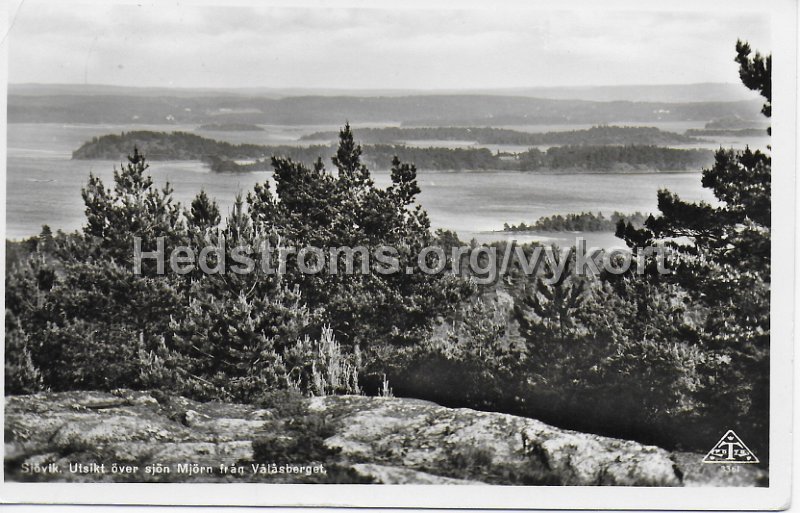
(722, 251)
(756, 73)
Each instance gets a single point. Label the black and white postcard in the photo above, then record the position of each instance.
(427, 254)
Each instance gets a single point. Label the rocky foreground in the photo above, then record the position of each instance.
(136, 436)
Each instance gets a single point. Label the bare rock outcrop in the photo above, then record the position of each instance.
(68, 437)
(498, 447)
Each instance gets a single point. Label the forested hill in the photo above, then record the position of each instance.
(596, 135)
(221, 155)
(171, 146)
(426, 110)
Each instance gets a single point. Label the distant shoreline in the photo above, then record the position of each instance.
(546, 172)
(230, 127)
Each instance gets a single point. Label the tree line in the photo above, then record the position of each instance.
(221, 156)
(581, 222)
(596, 135)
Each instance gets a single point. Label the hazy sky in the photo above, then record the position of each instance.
(210, 46)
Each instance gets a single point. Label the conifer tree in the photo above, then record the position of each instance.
(312, 206)
(204, 212)
(721, 257)
(133, 208)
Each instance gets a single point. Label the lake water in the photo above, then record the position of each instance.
(44, 184)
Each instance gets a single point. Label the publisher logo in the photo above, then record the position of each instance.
(729, 450)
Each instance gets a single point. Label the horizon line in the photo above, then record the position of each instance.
(307, 88)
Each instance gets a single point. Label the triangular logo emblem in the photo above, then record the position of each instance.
(730, 450)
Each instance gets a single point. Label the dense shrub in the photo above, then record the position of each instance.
(86, 318)
(21, 374)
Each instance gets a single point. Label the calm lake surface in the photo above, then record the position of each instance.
(44, 184)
